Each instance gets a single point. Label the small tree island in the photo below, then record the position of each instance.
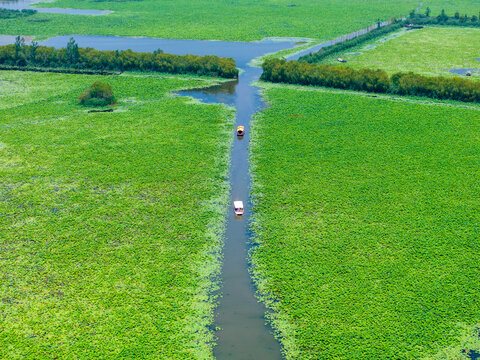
(98, 94)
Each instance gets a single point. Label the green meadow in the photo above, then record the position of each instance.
(111, 223)
(366, 220)
(239, 20)
(429, 51)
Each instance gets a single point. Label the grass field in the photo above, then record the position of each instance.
(430, 51)
(367, 223)
(240, 20)
(110, 223)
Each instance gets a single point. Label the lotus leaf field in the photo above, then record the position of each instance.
(240, 20)
(367, 225)
(111, 222)
(432, 51)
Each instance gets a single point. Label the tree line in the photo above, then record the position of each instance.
(12, 14)
(348, 44)
(378, 81)
(73, 57)
(456, 19)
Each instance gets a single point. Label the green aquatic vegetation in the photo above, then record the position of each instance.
(367, 225)
(19, 90)
(241, 20)
(429, 51)
(111, 222)
(332, 50)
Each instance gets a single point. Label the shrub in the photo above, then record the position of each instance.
(98, 94)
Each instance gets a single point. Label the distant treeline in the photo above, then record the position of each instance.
(342, 77)
(73, 57)
(443, 19)
(348, 44)
(59, 70)
(12, 14)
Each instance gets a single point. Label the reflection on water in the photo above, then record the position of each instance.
(223, 93)
(24, 4)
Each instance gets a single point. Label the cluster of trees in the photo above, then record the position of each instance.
(438, 87)
(73, 57)
(443, 19)
(98, 94)
(348, 44)
(342, 77)
(12, 14)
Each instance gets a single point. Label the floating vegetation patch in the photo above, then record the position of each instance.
(112, 221)
(430, 51)
(173, 19)
(366, 212)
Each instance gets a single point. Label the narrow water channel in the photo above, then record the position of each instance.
(241, 317)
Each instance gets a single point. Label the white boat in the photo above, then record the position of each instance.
(238, 207)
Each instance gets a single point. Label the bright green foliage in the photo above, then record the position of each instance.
(367, 218)
(430, 51)
(110, 223)
(237, 20)
(98, 94)
(342, 46)
(17, 89)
